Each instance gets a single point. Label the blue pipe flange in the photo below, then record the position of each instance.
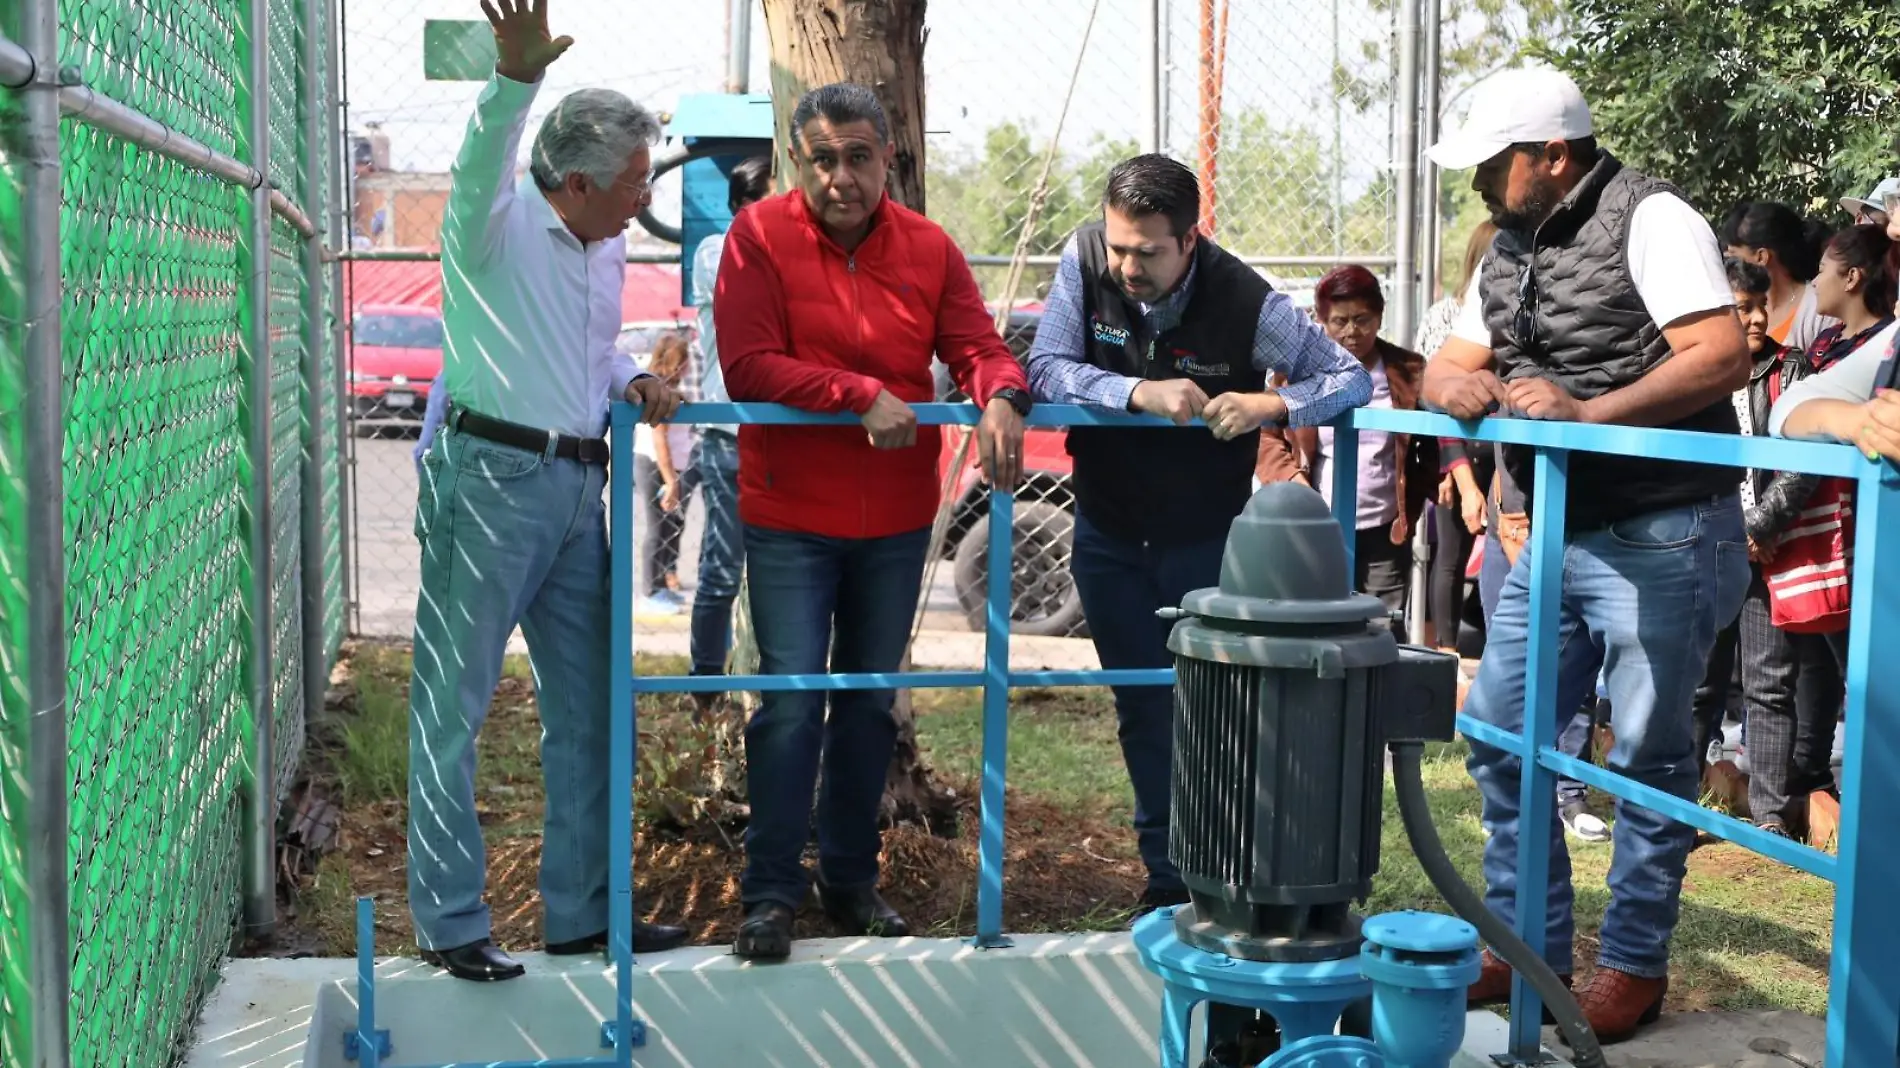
(1327, 1051)
(1242, 982)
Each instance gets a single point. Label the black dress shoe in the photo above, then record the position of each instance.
(477, 962)
(766, 933)
(647, 938)
(861, 911)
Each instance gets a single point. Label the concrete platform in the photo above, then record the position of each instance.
(1079, 1001)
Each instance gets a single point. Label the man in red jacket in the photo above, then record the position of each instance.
(832, 298)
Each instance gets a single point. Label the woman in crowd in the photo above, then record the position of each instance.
(663, 479)
(1396, 471)
(1853, 287)
(1775, 238)
(1466, 467)
(1856, 400)
(1790, 683)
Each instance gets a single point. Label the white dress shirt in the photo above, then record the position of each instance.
(530, 311)
(712, 382)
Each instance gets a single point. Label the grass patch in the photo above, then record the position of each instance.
(1062, 745)
(368, 754)
(1753, 934)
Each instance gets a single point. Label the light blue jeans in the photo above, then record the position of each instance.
(1642, 601)
(508, 537)
(721, 552)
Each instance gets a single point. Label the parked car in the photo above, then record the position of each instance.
(395, 358)
(1043, 596)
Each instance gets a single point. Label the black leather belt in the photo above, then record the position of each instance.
(529, 439)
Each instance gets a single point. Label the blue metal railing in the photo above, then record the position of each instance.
(1864, 1002)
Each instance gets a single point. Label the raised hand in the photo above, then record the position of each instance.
(523, 48)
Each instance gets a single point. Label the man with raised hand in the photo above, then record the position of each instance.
(510, 515)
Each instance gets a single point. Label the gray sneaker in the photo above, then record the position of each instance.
(1584, 824)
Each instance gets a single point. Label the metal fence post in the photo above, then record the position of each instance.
(48, 865)
(316, 615)
(1154, 103)
(739, 47)
(1863, 1019)
(1405, 203)
(260, 798)
(334, 107)
(1431, 237)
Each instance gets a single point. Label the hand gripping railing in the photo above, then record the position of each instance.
(1864, 1007)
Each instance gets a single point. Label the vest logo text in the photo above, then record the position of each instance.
(1109, 335)
(1188, 365)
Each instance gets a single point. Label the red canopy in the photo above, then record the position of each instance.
(651, 293)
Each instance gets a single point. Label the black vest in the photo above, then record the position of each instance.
(1169, 484)
(1592, 335)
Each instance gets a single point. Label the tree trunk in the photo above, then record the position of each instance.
(874, 43)
(878, 44)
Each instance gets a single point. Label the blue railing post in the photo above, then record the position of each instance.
(367, 1041)
(1538, 784)
(623, 736)
(1001, 600)
(1863, 1020)
(1343, 469)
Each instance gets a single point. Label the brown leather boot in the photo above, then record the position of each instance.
(1618, 1004)
(1494, 983)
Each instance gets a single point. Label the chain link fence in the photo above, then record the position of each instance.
(1297, 127)
(159, 361)
(16, 699)
(1300, 123)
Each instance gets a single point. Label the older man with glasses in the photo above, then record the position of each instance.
(509, 513)
(1602, 300)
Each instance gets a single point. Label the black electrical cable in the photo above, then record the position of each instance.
(704, 149)
(1408, 782)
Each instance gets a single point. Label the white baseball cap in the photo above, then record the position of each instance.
(1519, 106)
(1874, 201)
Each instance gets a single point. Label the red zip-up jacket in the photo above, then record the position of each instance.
(800, 322)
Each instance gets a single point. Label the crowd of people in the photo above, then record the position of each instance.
(1596, 294)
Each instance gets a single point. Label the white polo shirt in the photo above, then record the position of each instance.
(529, 311)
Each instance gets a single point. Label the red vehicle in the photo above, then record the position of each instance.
(1044, 600)
(395, 358)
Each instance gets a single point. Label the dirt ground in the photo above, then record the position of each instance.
(1065, 869)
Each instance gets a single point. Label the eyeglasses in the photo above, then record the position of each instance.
(1524, 323)
(640, 188)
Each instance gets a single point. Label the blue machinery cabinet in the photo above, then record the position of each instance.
(1864, 1002)
(742, 122)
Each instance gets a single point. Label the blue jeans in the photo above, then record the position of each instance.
(508, 537)
(721, 552)
(1643, 600)
(821, 605)
(1122, 584)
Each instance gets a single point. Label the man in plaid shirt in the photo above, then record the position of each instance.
(1146, 315)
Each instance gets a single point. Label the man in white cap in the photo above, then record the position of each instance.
(1603, 300)
(1876, 207)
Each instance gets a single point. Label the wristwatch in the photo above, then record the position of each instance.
(1018, 399)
